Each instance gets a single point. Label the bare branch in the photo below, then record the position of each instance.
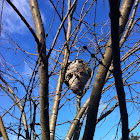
(24, 20)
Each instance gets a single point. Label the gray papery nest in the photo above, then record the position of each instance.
(77, 74)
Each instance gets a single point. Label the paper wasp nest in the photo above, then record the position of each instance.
(77, 74)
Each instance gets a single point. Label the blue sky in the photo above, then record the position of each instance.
(24, 63)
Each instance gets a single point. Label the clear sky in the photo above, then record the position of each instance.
(14, 30)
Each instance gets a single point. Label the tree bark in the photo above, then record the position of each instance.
(43, 70)
(3, 131)
(101, 74)
(114, 16)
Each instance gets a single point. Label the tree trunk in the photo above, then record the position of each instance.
(114, 16)
(43, 70)
(101, 75)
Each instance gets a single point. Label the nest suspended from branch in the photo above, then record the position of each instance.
(77, 74)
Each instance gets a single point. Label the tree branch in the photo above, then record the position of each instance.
(60, 81)
(2, 130)
(24, 20)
